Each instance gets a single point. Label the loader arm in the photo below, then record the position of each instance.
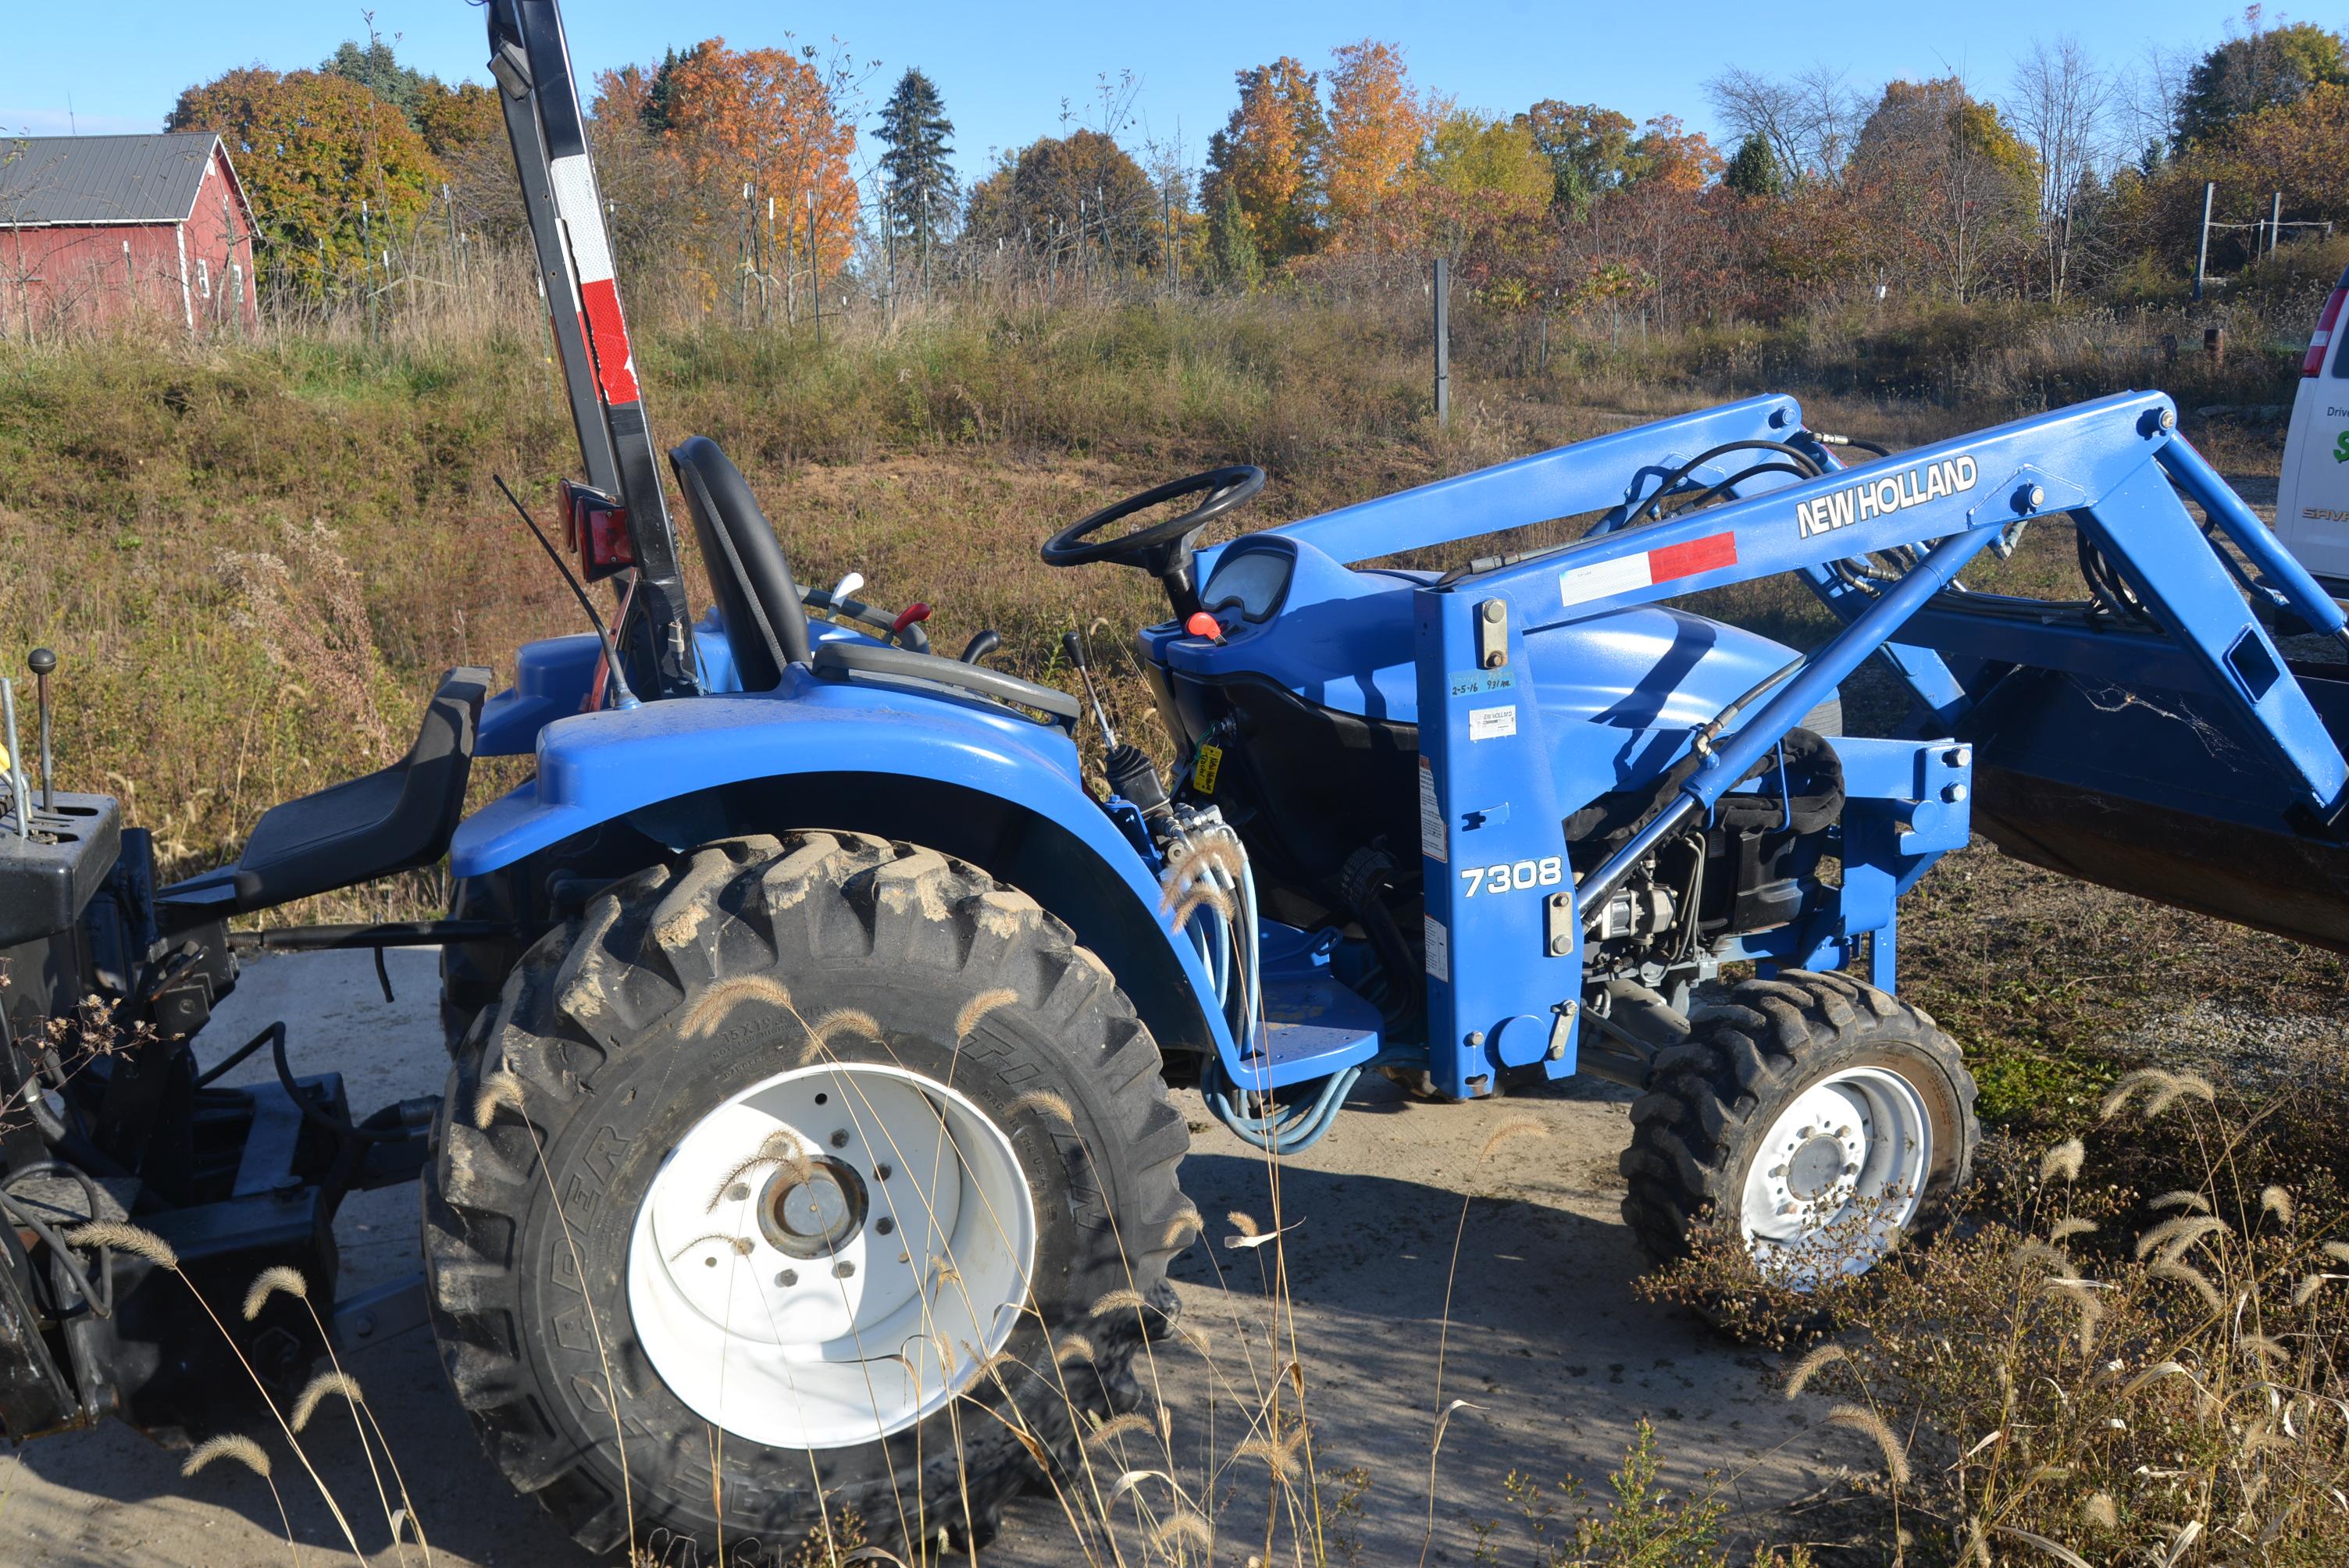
(1504, 973)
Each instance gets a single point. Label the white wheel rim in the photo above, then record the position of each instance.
(784, 1305)
(1838, 1175)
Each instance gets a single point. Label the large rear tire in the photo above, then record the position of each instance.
(1815, 1117)
(828, 1157)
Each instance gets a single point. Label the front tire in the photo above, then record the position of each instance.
(954, 1177)
(1814, 1116)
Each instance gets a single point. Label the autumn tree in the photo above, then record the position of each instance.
(765, 121)
(310, 147)
(623, 97)
(1667, 154)
(455, 121)
(1470, 154)
(660, 87)
(1269, 157)
(1070, 194)
(1948, 185)
(1587, 149)
(916, 167)
(2259, 69)
(451, 119)
(656, 213)
(2301, 148)
(1376, 124)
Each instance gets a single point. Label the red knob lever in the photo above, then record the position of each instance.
(907, 617)
(1203, 624)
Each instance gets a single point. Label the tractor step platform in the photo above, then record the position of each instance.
(1313, 1024)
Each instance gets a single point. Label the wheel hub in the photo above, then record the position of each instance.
(1814, 1167)
(813, 1215)
(1841, 1169)
(830, 1254)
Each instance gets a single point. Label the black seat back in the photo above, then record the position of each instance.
(766, 626)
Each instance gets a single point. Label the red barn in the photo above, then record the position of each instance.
(106, 228)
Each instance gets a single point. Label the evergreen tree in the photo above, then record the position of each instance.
(921, 182)
(1231, 243)
(1754, 170)
(372, 65)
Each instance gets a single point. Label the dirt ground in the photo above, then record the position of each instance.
(1559, 1359)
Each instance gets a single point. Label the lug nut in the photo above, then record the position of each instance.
(843, 1269)
(788, 1278)
(840, 1138)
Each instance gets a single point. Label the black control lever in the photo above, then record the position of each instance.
(43, 661)
(1073, 645)
(979, 646)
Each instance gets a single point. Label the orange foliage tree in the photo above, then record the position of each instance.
(1269, 158)
(767, 119)
(457, 120)
(310, 147)
(1677, 160)
(621, 97)
(1376, 124)
(1063, 193)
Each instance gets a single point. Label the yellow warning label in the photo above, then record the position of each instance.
(1205, 766)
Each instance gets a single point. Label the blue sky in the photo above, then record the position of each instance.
(1005, 70)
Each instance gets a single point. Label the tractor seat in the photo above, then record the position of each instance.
(766, 624)
(392, 819)
(758, 602)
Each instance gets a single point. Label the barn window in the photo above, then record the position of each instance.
(203, 277)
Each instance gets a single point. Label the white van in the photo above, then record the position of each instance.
(2312, 498)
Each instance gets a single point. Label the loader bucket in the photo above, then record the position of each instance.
(2162, 795)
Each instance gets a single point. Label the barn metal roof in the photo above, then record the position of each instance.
(102, 179)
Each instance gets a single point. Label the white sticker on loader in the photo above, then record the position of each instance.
(1492, 723)
(1430, 814)
(1439, 951)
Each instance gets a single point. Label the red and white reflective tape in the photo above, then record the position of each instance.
(1603, 579)
(599, 298)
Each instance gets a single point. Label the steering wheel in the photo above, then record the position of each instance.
(1161, 549)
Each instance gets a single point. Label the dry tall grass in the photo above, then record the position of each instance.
(256, 556)
(2088, 1372)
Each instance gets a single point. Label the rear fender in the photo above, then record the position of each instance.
(962, 777)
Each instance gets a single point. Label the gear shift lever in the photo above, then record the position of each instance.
(43, 661)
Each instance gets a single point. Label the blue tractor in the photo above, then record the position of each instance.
(814, 1021)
